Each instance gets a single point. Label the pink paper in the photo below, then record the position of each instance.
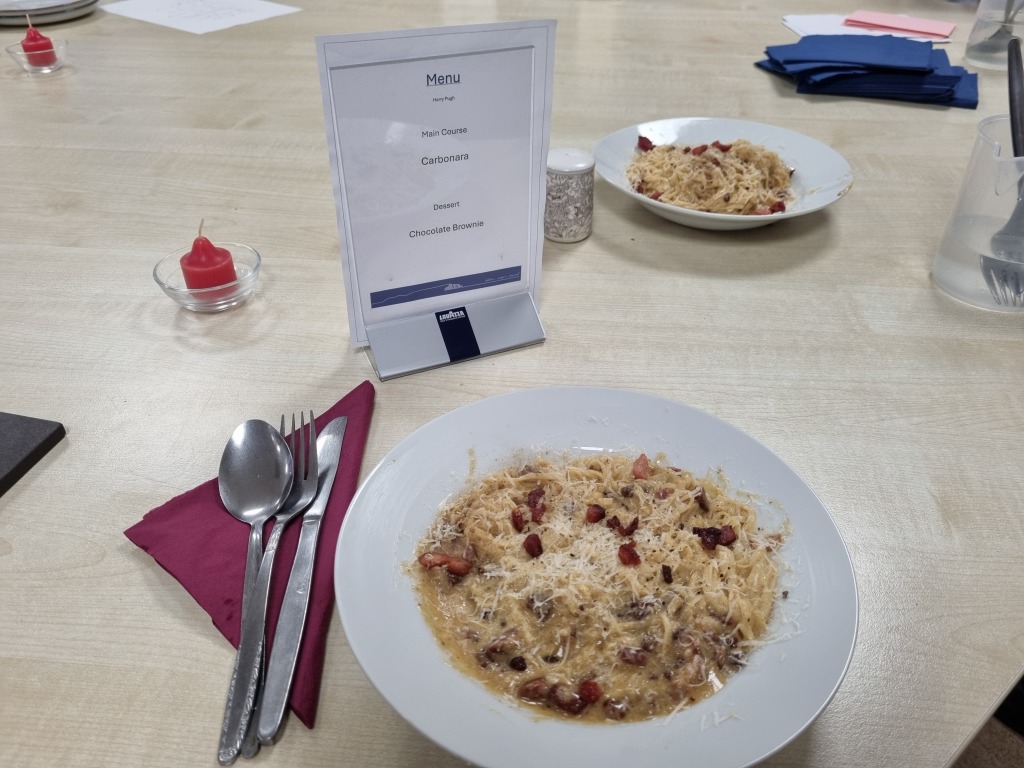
(899, 22)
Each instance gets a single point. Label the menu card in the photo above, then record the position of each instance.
(438, 141)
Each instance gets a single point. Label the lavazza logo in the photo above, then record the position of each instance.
(455, 314)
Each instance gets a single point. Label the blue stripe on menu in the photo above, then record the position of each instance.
(459, 284)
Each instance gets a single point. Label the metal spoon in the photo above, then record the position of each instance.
(255, 477)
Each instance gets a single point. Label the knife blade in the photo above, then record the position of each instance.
(292, 620)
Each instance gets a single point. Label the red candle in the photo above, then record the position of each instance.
(206, 265)
(38, 48)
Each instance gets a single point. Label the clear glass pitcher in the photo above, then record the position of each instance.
(980, 259)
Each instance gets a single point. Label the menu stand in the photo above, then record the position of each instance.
(438, 141)
(449, 336)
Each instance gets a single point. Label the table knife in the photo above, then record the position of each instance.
(292, 620)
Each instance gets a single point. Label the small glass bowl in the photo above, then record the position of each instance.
(167, 274)
(27, 60)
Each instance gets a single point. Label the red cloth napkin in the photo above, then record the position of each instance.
(201, 545)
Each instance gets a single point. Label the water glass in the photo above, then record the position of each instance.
(995, 22)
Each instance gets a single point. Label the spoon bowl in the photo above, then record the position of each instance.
(256, 471)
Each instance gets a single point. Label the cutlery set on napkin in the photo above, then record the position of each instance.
(195, 539)
(874, 67)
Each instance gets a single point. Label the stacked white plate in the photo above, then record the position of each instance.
(13, 12)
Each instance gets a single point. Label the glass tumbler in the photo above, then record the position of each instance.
(980, 260)
(995, 22)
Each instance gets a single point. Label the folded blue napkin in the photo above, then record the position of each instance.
(873, 67)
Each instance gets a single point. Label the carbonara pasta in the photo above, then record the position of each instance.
(737, 178)
(605, 588)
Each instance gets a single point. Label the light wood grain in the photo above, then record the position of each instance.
(822, 337)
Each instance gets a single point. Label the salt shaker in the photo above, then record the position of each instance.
(569, 207)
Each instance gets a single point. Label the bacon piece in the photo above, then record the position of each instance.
(642, 467)
(590, 691)
(666, 573)
(623, 530)
(534, 690)
(537, 507)
(615, 709)
(533, 546)
(698, 151)
(504, 644)
(459, 566)
(595, 513)
(564, 698)
(713, 536)
(634, 656)
(655, 195)
(628, 554)
(434, 559)
(663, 493)
(701, 497)
(644, 144)
(720, 146)
(517, 520)
(765, 210)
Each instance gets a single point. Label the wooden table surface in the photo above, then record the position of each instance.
(823, 337)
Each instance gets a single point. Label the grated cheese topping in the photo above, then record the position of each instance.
(603, 588)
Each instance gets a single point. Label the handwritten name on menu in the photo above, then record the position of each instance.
(438, 153)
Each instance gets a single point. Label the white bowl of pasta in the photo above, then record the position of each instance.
(784, 683)
(703, 166)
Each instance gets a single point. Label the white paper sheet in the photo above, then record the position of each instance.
(199, 16)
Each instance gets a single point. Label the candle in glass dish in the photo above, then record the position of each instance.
(38, 48)
(206, 265)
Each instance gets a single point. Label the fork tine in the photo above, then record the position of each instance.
(297, 452)
(312, 464)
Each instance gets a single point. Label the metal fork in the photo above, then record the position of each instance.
(254, 623)
(1004, 281)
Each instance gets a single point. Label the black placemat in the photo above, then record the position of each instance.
(24, 440)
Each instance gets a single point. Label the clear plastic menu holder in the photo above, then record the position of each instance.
(440, 338)
(438, 141)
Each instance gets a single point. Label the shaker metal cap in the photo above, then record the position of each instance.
(570, 161)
